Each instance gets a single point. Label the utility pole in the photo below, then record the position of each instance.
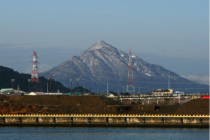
(123, 91)
(47, 87)
(77, 79)
(58, 90)
(107, 87)
(50, 84)
(139, 92)
(18, 89)
(168, 82)
(29, 81)
(139, 96)
(71, 85)
(12, 80)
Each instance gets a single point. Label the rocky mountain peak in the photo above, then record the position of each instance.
(99, 45)
(102, 62)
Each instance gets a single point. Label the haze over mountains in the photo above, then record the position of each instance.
(103, 63)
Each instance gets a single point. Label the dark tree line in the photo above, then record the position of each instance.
(21, 79)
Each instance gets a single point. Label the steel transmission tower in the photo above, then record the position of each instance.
(34, 75)
(130, 81)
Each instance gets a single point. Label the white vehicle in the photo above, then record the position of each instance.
(178, 93)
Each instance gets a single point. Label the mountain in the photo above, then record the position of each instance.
(103, 63)
(21, 79)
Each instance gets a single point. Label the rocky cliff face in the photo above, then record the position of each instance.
(103, 63)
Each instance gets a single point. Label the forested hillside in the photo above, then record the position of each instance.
(21, 79)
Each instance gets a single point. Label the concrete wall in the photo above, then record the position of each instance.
(116, 120)
(45, 120)
(80, 120)
(98, 120)
(172, 121)
(135, 121)
(29, 120)
(108, 121)
(153, 121)
(63, 120)
(12, 120)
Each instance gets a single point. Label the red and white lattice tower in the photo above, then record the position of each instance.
(130, 81)
(34, 75)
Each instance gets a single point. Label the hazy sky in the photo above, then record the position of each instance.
(171, 33)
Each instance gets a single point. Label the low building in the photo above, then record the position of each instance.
(18, 92)
(162, 92)
(53, 93)
(86, 94)
(36, 93)
(7, 91)
(110, 95)
(67, 94)
(10, 91)
(77, 93)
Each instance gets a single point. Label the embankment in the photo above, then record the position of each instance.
(182, 121)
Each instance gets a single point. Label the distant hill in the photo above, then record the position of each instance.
(6, 74)
(103, 63)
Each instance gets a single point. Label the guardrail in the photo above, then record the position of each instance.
(145, 95)
(123, 120)
(102, 115)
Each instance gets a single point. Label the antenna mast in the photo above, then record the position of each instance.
(130, 81)
(34, 75)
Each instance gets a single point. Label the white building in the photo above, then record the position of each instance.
(53, 93)
(36, 93)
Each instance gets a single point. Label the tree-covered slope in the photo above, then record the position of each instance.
(21, 79)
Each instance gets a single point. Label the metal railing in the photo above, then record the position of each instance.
(104, 115)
